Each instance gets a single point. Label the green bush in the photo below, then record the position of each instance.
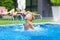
(55, 2)
(7, 3)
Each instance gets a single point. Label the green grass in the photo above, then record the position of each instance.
(4, 22)
(42, 21)
(9, 21)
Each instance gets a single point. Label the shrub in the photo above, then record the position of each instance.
(7, 3)
(55, 2)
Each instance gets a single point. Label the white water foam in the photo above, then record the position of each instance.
(22, 29)
(35, 29)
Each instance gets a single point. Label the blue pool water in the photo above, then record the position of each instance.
(41, 32)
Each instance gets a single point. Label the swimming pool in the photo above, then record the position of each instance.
(42, 32)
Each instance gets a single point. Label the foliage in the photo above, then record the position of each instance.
(7, 3)
(55, 2)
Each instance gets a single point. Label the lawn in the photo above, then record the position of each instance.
(9, 21)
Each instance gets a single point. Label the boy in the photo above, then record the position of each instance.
(28, 23)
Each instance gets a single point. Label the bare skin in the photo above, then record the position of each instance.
(28, 23)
